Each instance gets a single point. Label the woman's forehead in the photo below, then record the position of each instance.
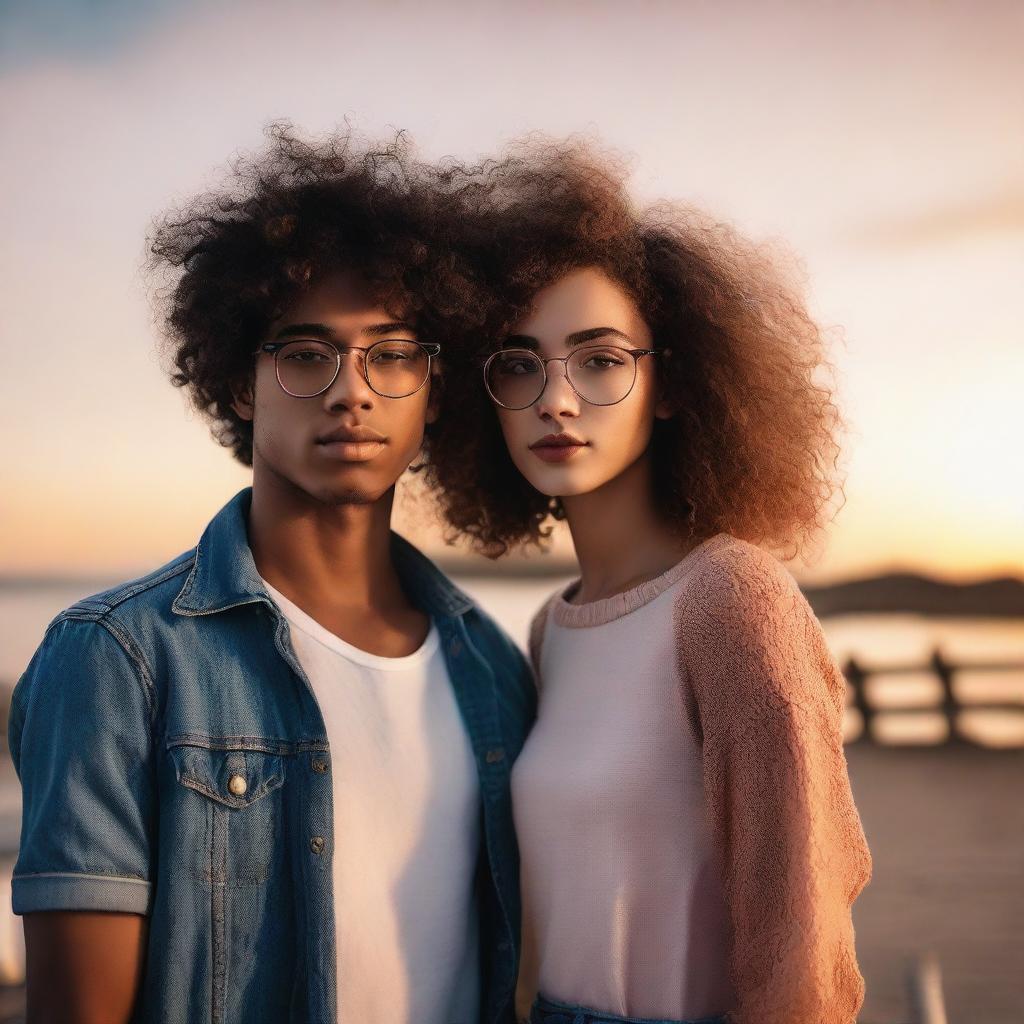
(581, 300)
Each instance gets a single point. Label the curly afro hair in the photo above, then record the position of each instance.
(233, 260)
(753, 448)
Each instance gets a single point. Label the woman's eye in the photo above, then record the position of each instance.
(601, 361)
(517, 367)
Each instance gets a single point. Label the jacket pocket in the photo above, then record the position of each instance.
(238, 800)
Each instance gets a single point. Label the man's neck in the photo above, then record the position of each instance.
(319, 554)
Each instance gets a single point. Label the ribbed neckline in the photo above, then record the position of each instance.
(597, 613)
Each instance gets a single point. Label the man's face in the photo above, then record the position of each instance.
(348, 445)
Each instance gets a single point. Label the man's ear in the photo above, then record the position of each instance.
(243, 403)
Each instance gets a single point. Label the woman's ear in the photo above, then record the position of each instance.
(434, 401)
(666, 407)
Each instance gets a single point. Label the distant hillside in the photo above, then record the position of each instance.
(907, 592)
(1002, 597)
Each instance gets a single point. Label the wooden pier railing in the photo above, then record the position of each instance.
(950, 705)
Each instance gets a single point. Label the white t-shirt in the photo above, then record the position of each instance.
(406, 829)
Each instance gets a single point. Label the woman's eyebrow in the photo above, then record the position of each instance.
(520, 341)
(576, 338)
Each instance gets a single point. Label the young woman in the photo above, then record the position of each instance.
(689, 842)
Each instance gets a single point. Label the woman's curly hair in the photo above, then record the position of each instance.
(232, 260)
(752, 449)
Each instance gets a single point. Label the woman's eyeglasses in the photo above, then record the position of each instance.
(599, 374)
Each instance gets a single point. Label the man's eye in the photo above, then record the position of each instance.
(307, 356)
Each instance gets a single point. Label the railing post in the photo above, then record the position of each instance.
(926, 990)
(950, 707)
(856, 676)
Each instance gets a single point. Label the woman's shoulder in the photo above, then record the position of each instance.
(731, 578)
(744, 631)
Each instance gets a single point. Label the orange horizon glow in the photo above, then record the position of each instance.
(880, 144)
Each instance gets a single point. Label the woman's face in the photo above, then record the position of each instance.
(563, 444)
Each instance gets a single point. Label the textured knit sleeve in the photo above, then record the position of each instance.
(768, 699)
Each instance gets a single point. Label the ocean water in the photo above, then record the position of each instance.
(877, 641)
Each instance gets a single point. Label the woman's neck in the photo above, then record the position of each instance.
(620, 538)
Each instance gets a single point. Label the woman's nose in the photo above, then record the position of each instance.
(558, 399)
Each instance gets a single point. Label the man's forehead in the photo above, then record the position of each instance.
(347, 302)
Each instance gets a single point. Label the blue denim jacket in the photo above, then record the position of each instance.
(144, 700)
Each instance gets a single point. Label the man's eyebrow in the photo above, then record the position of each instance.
(391, 327)
(576, 338)
(324, 331)
(304, 331)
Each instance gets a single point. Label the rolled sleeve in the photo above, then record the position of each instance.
(80, 736)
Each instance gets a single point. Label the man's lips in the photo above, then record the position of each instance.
(557, 447)
(354, 435)
(351, 444)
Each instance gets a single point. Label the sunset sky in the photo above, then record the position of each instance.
(883, 143)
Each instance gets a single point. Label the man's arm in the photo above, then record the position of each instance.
(83, 967)
(81, 740)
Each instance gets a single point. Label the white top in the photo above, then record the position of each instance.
(623, 906)
(406, 829)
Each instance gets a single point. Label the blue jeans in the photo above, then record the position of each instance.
(547, 1011)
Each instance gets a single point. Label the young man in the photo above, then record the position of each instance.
(269, 781)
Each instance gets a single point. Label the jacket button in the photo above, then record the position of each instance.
(320, 766)
(316, 844)
(495, 755)
(237, 785)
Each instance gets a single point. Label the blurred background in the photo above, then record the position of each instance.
(882, 143)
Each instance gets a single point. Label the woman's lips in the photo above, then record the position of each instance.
(557, 449)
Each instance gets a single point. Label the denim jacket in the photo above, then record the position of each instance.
(136, 710)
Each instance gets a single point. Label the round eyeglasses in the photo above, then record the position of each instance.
(599, 374)
(393, 369)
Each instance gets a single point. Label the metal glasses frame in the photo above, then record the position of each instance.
(636, 353)
(432, 348)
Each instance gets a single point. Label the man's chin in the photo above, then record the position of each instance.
(339, 497)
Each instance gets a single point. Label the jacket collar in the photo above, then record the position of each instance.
(224, 574)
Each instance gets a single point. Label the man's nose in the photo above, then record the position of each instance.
(350, 388)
